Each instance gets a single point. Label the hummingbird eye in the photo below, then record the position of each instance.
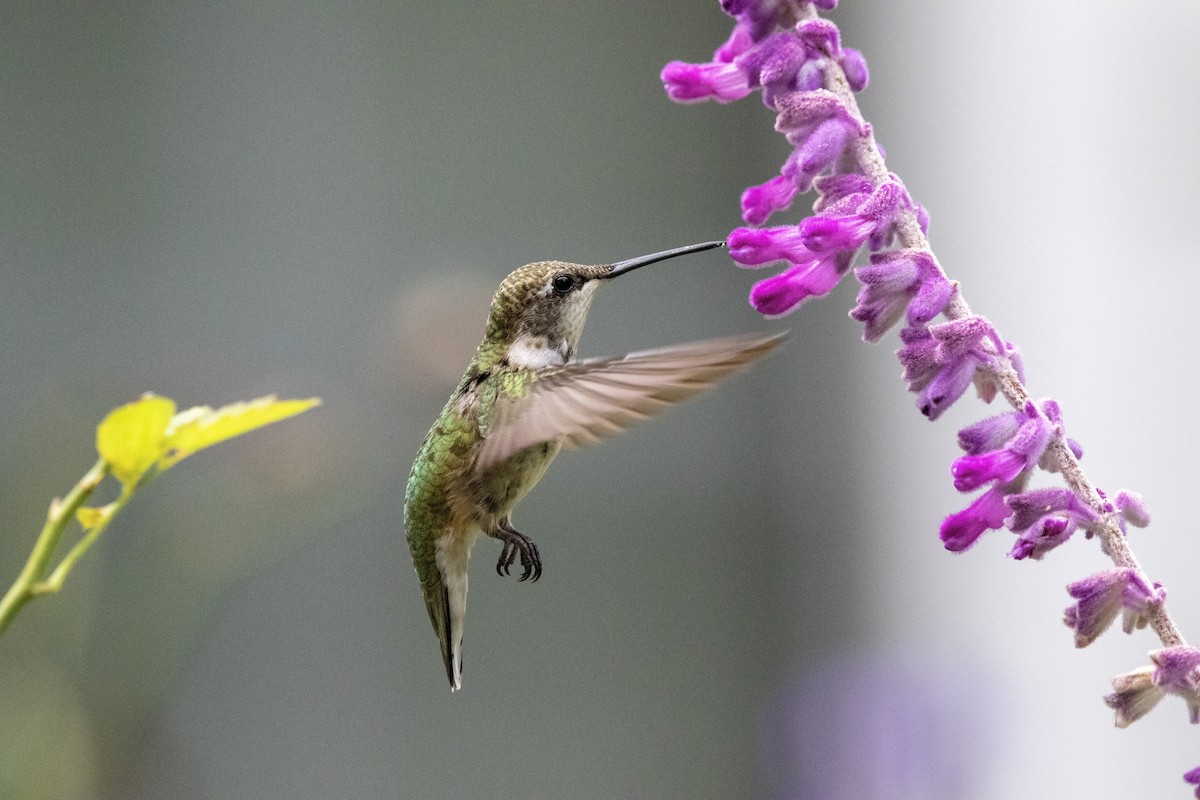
(562, 283)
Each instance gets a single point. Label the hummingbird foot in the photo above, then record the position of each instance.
(517, 543)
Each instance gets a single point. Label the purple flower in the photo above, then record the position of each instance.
(759, 17)
(694, 83)
(752, 247)
(778, 65)
(760, 202)
(739, 41)
(961, 530)
(783, 293)
(1020, 453)
(841, 192)
(875, 216)
(855, 67)
(971, 472)
(1099, 597)
(941, 364)
(990, 433)
(1044, 519)
(1192, 776)
(818, 126)
(1134, 697)
(895, 281)
(1177, 671)
(1132, 509)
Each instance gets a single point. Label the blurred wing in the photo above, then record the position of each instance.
(588, 400)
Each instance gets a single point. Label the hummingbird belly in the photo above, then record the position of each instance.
(503, 485)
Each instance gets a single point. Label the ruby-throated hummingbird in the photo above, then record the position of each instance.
(522, 398)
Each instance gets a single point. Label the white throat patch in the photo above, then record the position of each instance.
(535, 352)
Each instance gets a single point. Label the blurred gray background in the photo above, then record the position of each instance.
(745, 598)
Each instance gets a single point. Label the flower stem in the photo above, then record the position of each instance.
(29, 583)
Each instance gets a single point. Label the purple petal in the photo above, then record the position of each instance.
(818, 151)
(1177, 671)
(990, 433)
(752, 247)
(1192, 776)
(1029, 507)
(1043, 536)
(822, 234)
(1135, 696)
(781, 294)
(694, 83)
(1140, 600)
(775, 60)
(801, 112)
(962, 529)
(972, 471)
(760, 202)
(1098, 601)
(837, 188)
(855, 66)
(960, 337)
(916, 357)
(1132, 508)
(947, 385)
(739, 41)
(820, 35)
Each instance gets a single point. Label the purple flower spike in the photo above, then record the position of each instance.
(1177, 671)
(1135, 696)
(694, 83)
(1099, 600)
(1192, 776)
(1132, 509)
(781, 294)
(961, 530)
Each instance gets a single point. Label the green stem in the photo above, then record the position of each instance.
(26, 587)
(55, 581)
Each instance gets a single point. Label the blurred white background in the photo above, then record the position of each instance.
(745, 598)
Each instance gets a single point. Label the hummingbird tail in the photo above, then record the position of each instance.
(446, 601)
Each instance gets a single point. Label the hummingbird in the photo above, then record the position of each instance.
(523, 397)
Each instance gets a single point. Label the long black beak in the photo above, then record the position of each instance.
(621, 267)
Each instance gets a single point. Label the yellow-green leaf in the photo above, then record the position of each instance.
(95, 516)
(201, 427)
(131, 438)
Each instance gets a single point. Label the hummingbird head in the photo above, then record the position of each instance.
(538, 311)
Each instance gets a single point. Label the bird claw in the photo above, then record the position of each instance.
(518, 544)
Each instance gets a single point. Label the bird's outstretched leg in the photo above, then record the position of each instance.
(517, 543)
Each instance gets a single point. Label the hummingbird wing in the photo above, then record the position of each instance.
(588, 400)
